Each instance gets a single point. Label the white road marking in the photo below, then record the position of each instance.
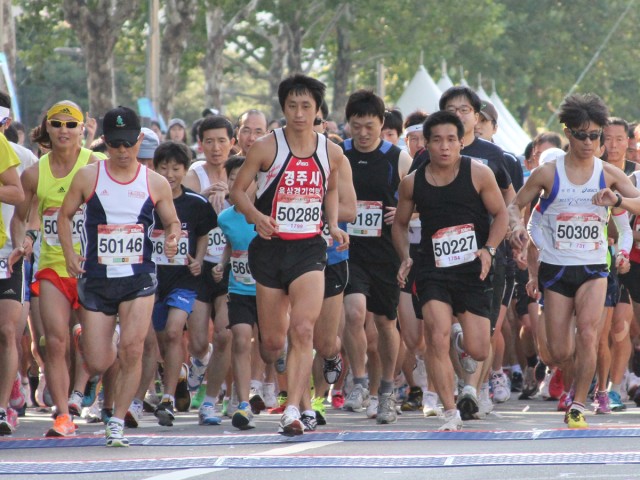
(297, 448)
(183, 474)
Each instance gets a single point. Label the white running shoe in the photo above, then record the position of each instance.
(468, 364)
(452, 422)
(270, 398)
(500, 387)
(290, 422)
(197, 370)
(430, 406)
(357, 400)
(485, 405)
(372, 409)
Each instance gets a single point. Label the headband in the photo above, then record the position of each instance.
(66, 110)
(413, 128)
(4, 113)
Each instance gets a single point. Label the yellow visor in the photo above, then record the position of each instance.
(65, 109)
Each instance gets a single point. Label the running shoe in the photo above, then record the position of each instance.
(207, 414)
(225, 406)
(485, 405)
(530, 384)
(197, 370)
(115, 435)
(468, 364)
(564, 402)
(452, 422)
(386, 409)
(62, 427)
(420, 374)
(467, 403)
(500, 386)
(317, 404)
(183, 397)
(575, 419)
(517, 382)
(6, 428)
(90, 391)
(413, 401)
(430, 406)
(17, 400)
(332, 369)
(255, 400)
(309, 422)
(243, 417)
(106, 414)
(165, 413)
(133, 416)
(556, 385)
(337, 399)
(232, 406)
(269, 391)
(602, 403)
(198, 397)
(75, 403)
(290, 422)
(372, 409)
(281, 362)
(615, 402)
(358, 399)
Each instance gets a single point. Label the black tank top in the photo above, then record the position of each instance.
(457, 204)
(375, 178)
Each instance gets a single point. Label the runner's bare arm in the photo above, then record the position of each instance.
(331, 202)
(347, 208)
(191, 181)
(627, 192)
(400, 227)
(18, 224)
(404, 164)
(79, 190)
(11, 191)
(259, 157)
(161, 192)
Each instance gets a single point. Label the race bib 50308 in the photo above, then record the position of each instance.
(578, 231)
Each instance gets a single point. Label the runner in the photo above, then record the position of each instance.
(573, 246)
(117, 277)
(294, 168)
(252, 125)
(455, 198)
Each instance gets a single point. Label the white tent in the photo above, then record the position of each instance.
(445, 81)
(520, 137)
(421, 93)
(505, 136)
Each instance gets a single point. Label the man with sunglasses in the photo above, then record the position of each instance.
(47, 184)
(572, 245)
(116, 274)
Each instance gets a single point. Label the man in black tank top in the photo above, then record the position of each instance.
(377, 166)
(456, 198)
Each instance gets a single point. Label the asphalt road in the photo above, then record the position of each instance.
(526, 440)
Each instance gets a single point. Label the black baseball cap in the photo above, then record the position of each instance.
(121, 124)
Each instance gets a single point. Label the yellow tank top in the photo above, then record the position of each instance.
(51, 192)
(8, 159)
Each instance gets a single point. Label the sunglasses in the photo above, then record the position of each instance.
(318, 121)
(62, 123)
(120, 143)
(582, 136)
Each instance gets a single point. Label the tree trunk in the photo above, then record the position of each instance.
(179, 17)
(9, 36)
(294, 33)
(343, 65)
(279, 50)
(98, 25)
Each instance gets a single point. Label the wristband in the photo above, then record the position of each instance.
(619, 202)
(624, 253)
(32, 234)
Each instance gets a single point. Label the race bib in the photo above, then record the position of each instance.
(368, 222)
(578, 231)
(120, 244)
(216, 242)
(454, 245)
(240, 267)
(298, 214)
(50, 226)
(326, 235)
(4, 269)
(636, 227)
(180, 258)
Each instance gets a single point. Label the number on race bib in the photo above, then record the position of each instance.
(240, 267)
(298, 214)
(50, 226)
(216, 243)
(578, 231)
(4, 269)
(368, 222)
(326, 235)
(120, 244)
(454, 245)
(180, 258)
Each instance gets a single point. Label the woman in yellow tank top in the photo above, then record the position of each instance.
(48, 181)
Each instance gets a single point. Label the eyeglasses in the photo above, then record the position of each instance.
(464, 109)
(582, 136)
(120, 143)
(318, 121)
(62, 123)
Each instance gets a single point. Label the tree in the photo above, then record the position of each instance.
(8, 36)
(97, 23)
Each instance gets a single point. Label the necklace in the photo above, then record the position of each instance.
(456, 168)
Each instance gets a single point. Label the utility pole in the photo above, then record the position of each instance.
(152, 89)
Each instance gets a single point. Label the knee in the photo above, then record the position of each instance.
(241, 344)
(130, 352)
(221, 339)
(354, 314)
(302, 332)
(325, 347)
(7, 334)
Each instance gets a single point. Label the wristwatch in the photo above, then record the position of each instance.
(491, 250)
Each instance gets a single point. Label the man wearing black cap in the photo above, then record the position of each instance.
(116, 275)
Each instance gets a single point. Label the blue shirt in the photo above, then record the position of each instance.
(239, 234)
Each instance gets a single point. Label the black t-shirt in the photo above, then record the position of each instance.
(514, 168)
(375, 179)
(197, 217)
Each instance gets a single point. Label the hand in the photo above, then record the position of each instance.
(217, 272)
(520, 256)
(485, 260)
(532, 288)
(519, 238)
(171, 246)
(622, 263)
(340, 237)
(74, 265)
(218, 186)
(217, 200)
(15, 255)
(605, 198)
(266, 226)
(403, 272)
(390, 215)
(27, 245)
(195, 267)
(91, 125)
